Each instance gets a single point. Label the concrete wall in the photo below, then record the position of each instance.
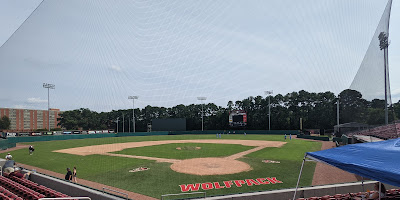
(306, 192)
(71, 189)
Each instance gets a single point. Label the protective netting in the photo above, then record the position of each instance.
(370, 78)
(98, 53)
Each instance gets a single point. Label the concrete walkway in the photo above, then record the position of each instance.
(326, 174)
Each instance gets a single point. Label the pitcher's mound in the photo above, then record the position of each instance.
(210, 166)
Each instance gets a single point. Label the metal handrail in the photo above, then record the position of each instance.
(87, 198)
(104, 188)
(165, 195)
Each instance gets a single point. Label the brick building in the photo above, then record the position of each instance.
(29, 120)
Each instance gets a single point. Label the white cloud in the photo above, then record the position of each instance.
(116, 68)
(395, 95)
(396, 91)
(20, 106)
(36, 100)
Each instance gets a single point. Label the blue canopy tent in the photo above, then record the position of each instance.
(375, 160)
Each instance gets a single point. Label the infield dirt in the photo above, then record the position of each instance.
(195, 166)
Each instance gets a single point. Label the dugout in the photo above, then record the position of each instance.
(349, 127)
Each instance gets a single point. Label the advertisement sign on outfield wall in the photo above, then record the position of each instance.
(11, 134)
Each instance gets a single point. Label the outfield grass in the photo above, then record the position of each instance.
(160, 179)
(188, 150)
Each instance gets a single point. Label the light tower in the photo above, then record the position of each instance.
(268, 93)
(133, 110)
(48, 86)
(116, 121)
(202, 113)
(383, 44)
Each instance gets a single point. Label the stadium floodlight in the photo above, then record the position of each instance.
(268, 93)
(337, 111)
(202, 113)
(116, 121)
(123, 123)
(384, 44)
(133, 110)
(48, 86)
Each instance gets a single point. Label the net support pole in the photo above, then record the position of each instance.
(298, 180)
(386, 96)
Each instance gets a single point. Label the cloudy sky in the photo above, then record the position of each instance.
(98, 53)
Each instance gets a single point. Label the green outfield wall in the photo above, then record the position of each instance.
(11, 141)
(4, 144)
(260, 132)
(313, 137)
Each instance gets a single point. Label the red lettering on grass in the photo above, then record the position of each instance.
(250, 182)
(273, 180)
(239, 183)
(207, 186)
(228, 184)
(190, 187)
(217, 186)
(262, 181)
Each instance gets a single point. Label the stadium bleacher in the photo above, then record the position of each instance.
(13, 187)
(390, 131)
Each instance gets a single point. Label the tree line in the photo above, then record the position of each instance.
(317, 111)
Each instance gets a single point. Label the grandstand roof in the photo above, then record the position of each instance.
(375, 160)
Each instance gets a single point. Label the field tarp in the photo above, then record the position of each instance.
(375, 160)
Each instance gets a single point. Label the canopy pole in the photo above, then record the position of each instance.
(379, 192)
(298, 180)
(362, 184)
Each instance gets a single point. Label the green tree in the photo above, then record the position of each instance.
(5, 123)
(396, 110)
(318, 110)
(352, 107)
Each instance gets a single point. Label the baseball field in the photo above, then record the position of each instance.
(179, 163)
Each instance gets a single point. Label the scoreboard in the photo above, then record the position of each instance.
(237, 118)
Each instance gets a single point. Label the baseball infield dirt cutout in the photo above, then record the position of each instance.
(195, 166)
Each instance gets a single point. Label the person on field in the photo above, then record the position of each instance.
(31, 149)
(290, 136)
(9, 166)
(27, 175)
(8, 156)
(74, 175)
(285, 136)
(68, 176)
(17, 173)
